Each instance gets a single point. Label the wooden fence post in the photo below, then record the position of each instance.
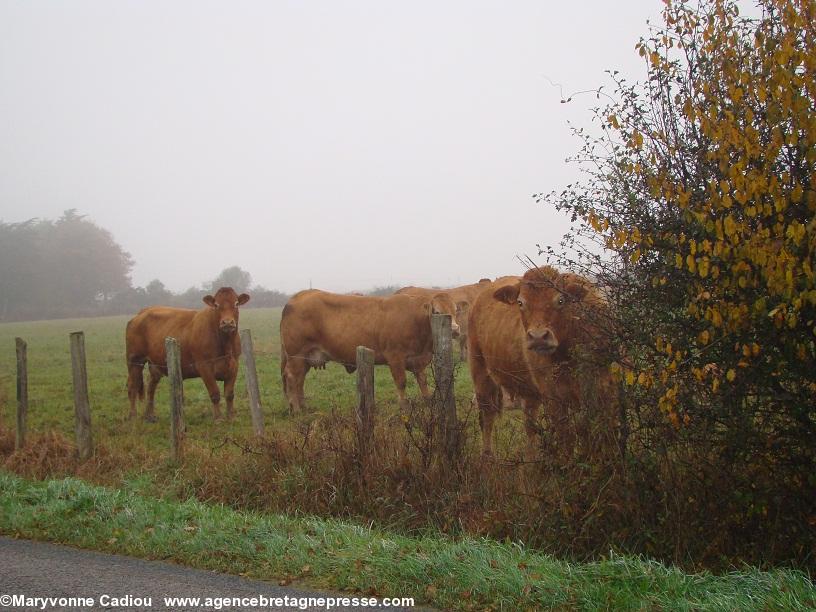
(22, 393)
(173, 353)
(365, 402)
(444, 401)
(252, 382)
(82, 406)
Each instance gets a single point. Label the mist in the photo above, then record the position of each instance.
(338, 145)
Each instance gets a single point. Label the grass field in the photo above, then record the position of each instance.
(51, 395)
(472, 527)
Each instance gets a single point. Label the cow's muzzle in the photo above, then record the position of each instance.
(228, 327)
(542, 349)
(542, 342)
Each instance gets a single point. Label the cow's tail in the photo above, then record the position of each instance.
(136, 382)
(283, 368)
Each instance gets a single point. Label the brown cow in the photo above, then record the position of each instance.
(209, 347)
(462, 296)
(523, 336)
(317, 327)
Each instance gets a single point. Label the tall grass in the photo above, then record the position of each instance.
(465, 573)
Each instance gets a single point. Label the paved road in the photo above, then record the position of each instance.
(36, 569)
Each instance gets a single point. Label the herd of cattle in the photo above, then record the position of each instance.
(519, 335)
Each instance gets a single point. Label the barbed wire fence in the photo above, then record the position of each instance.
(446, 435)
(365, 408)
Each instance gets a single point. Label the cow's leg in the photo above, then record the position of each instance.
(294, 376)
(397, 367)
(208, 378)
(422, 381)
(150, 406)
(511, 401)
(135, 383)
(462, 347)
(489, 403)
(229, 387)
(488, 399)
(531, 426)
(564, 406)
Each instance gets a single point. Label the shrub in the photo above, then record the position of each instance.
(697, 216)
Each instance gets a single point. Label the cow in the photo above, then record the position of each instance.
(462, 296)
(317, 327)
(209, 343)
(524, 337)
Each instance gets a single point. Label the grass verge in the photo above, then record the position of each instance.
(452, 574)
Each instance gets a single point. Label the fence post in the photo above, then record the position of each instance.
(444, 401)
(22, 393)
(173, 353)
(82, 406)
(252, 382)
(365, 402)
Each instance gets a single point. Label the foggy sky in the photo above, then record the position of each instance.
(342, 144)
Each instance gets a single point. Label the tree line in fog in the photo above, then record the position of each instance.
(72, 267)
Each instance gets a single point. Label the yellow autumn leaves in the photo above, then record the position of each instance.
(727, 154)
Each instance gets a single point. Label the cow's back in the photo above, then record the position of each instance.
(468, 293)
(419, 291)
(407, 323)
(146, 332)
(462, 298)
(337, 324)
(464, 293)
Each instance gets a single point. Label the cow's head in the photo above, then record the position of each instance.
(462, 310)
(551, 307)
(441, 303)
(225, 302)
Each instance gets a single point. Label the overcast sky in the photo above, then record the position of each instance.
(344, 143)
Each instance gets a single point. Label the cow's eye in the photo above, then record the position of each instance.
(520, 303)
(561, 300)
(236, 304)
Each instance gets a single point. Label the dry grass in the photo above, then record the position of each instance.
(578, 504)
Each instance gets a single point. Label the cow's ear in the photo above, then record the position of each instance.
(507, 294)
(576, 291)
(209, 301)
(243, 299)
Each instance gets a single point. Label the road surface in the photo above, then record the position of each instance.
(114, 582)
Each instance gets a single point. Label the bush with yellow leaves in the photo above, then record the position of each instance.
(697, 214)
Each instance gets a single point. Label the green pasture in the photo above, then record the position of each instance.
(51, 394)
